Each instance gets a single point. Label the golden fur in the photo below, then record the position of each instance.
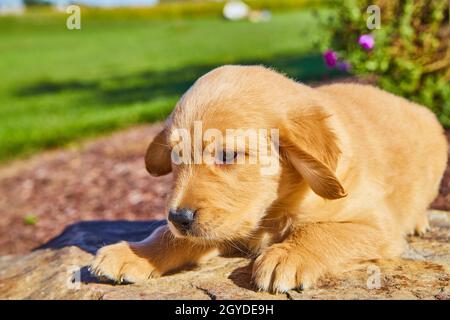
(358, 169)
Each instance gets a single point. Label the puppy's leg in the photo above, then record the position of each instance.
(312, 250)
(159, 253)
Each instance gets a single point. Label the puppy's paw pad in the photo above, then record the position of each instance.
(118, 262)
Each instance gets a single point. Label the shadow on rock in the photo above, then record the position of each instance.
(92, 235)
(242, 277)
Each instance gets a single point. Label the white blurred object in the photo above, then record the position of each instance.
(235, 10)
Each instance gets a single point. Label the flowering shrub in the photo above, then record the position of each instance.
(409, 55)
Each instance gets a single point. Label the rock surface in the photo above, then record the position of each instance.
(58, 270)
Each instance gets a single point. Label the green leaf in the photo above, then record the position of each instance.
(30, 219)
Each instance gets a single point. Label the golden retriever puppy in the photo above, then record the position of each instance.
(357, 169)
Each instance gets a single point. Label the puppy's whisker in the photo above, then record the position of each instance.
(162, 144)
(270, 219)
(236, 246)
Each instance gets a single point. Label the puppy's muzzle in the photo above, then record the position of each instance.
(182, 219)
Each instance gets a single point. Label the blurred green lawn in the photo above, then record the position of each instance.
(58, 86)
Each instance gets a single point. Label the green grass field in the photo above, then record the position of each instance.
(58, 86)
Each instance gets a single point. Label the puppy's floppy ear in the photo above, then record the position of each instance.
(310, 147)
(158, 157)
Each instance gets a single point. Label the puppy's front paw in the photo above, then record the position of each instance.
(118, 262)
(280, 268)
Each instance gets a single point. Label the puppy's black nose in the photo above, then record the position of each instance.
(182, 218)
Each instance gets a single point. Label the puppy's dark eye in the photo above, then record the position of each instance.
(228, 157)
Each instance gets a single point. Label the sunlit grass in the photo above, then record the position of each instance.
(58, 86)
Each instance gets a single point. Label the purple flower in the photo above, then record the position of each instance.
(344, 66)
(331, 58)
(366, 41)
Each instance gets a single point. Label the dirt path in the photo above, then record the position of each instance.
(102, 179)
